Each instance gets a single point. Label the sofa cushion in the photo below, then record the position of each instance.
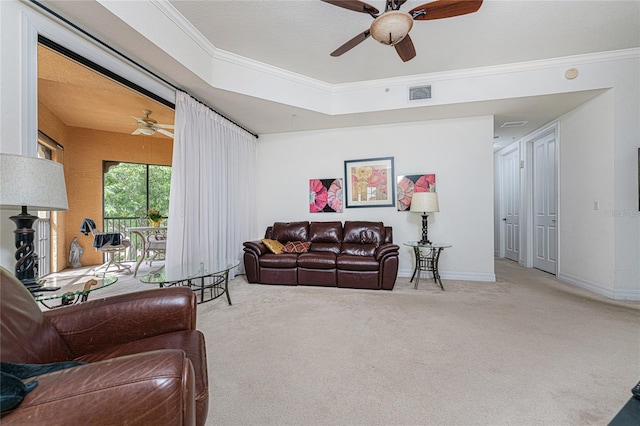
(357, 263)
(290, 231)
(296, 247)
(358, 232)
(326, 247)
(357, 249)
(284, 260)
(325, 232)
(317, 260)
(274, 246)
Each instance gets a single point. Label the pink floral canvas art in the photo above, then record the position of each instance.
(409, 184)
(325, 195)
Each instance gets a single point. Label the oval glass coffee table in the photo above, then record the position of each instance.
(211, 278)
(68, 294)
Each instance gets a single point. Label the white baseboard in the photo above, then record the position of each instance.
(600, 289)
(460, 276)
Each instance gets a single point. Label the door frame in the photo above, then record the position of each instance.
(501, 209)
(527, 224)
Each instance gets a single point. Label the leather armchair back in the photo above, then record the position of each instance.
(26, 335)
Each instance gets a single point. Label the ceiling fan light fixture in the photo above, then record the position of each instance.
(391, 27)
(147, 131)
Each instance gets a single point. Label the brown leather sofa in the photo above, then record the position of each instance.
(356, 255)
(146, 362)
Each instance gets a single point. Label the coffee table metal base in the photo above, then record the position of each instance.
(208, 281)
(215, 285)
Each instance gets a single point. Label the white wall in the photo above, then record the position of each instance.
(458, 151)
(587, 246)
(599, 250)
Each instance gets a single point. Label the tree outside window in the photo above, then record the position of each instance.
(131, 189)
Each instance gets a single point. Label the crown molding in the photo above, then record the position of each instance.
(589, 58)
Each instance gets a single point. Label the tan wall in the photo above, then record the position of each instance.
(84, 154)
(53, 127)
(84, 151)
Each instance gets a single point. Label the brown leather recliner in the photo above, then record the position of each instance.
(358, 254)
(146, 362)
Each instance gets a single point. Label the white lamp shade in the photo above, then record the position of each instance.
(391, 27)
(425, 202)
(32, 182)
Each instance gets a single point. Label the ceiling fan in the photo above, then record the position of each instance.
(392, 26)
(148, 126)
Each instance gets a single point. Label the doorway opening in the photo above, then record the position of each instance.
(92, 113)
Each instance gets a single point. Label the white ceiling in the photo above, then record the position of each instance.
(298, 35)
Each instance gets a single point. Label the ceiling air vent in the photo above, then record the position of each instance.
(420, 93)
(514, 124)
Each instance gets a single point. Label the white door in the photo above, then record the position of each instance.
(511, 204)
(545, 213)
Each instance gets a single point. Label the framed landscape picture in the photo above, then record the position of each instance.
(369, 182)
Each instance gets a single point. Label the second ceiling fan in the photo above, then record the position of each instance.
(148, 126)
(392, 26)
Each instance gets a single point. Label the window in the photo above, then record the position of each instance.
(131, 189)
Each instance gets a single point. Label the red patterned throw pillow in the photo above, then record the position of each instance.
(296, 247)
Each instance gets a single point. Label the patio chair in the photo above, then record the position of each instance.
(154, 241)
(109, 243)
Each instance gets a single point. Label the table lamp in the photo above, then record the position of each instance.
(424, 202)
(37, 184)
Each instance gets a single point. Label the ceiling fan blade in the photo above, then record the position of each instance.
(405, 49)
(137, 132)
(352, 43)
(358, 6)
(165, 132)
(445, 9)
(165, 126)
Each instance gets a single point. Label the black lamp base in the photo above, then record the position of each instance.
(425, 230)
(25, 254)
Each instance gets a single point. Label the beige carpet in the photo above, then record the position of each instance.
(526, 350)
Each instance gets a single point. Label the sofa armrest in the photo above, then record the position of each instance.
(255, 247)
(97, 324)
(253, 250)
(156, 387)
(386, 250)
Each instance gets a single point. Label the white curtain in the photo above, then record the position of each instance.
(213, 198)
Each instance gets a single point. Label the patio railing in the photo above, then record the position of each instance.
(120, 224)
